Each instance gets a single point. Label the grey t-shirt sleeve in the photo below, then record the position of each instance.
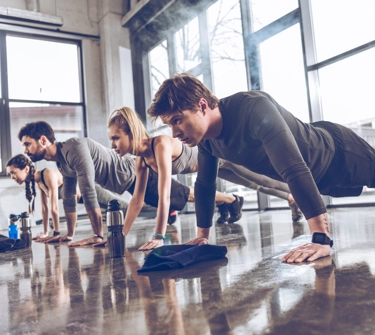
(79, 159)
(69, 190)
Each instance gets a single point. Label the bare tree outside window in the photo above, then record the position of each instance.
(187, 41)
(227, 49)
(159, 68)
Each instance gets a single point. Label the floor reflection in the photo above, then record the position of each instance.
(57, 289)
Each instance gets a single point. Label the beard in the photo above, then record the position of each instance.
(38, 156)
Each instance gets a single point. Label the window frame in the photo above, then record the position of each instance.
(5, 125)
(162, 27)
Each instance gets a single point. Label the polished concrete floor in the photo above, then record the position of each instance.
(54, 289)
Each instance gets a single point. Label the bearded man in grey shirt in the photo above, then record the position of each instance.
(87, 162)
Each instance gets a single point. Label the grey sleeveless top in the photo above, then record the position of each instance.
(185, 162)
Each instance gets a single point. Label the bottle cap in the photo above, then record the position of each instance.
(24, 215)
(113, 205)
(13, 218)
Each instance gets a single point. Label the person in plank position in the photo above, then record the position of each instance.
(252, 130)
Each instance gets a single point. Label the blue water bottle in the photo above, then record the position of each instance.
(13, 229)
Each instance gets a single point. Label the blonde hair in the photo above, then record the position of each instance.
(130, 122)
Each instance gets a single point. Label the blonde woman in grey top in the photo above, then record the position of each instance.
(162, 155)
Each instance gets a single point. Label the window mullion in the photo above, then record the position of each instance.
(4, 106)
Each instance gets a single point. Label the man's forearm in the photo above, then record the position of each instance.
(95, 216)
(319, 224)
(71, 221)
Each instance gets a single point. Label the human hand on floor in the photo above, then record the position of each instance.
(198, 241)
(86, 241)
(40, 237)
(44, 239)
(64, 238)
(307, 252)
(152, 244)
(102, 244)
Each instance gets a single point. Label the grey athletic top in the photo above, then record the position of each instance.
(264, 137)
(185, 162)
(87, 161)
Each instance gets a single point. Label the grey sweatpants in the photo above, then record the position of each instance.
(242, 176)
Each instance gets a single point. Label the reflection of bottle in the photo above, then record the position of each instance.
(118, 284)
(26, 235)
(116, 238)
(13, 229)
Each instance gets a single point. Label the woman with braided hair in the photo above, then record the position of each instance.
(22, 170)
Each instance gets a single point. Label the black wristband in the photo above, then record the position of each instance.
(97, 235)
(56, 233)
(321, 238)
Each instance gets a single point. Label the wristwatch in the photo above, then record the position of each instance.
(321, 238)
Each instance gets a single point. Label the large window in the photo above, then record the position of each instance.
(341, 25)
(227, 48)
(264, 12)
(314, 57)
(284, 76)
(42, 81)
(159, 68)
(188, 52)
(345, 52)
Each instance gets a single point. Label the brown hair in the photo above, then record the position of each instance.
(36, 130)
(130, 122)
(20, 162)
(181, 92)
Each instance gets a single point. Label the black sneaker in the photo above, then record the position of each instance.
(172, 217)
(224, 214)
(235, 209)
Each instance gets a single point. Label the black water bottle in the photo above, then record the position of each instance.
(25, 224)
(115, 223)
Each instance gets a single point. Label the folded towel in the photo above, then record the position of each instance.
(8, 244)
(170, 257)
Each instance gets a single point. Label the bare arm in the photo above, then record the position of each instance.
(53, 178)
(45, 215)
(163, 155)
(136, 202)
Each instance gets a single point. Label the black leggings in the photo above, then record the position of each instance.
(179, 192)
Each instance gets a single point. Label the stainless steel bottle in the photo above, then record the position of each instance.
(26, 235)
(115, 223)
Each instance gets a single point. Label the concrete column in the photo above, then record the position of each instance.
(115, 57)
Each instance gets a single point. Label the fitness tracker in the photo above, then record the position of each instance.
(321, 238)
(159, 236)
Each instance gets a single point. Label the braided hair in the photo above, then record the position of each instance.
(20, 162)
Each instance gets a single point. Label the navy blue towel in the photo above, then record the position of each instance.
(170, 257)
(8, 244)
